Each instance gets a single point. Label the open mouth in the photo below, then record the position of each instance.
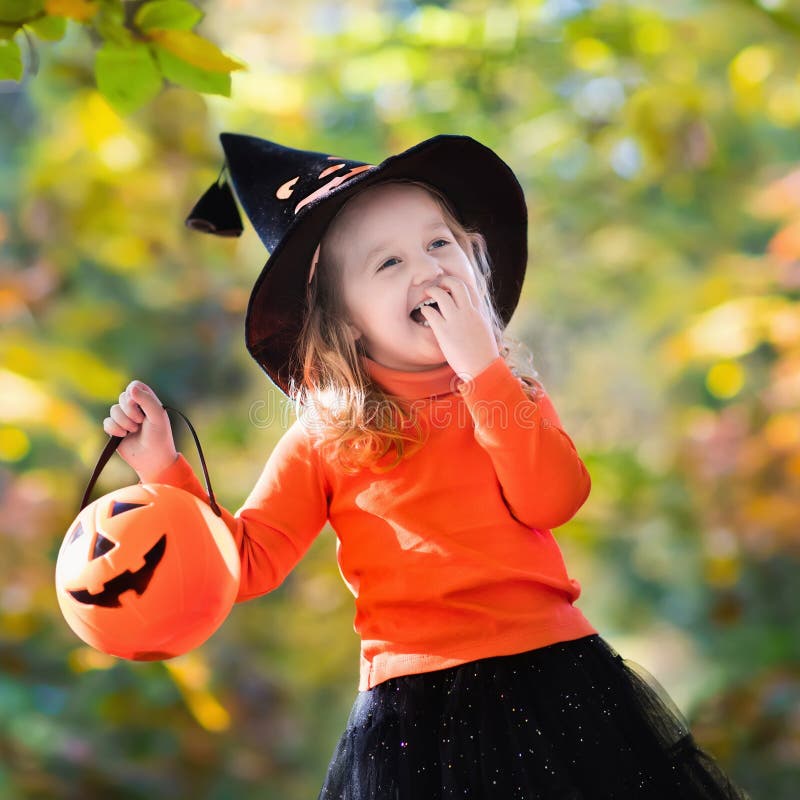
(416, 314)
(138, 581)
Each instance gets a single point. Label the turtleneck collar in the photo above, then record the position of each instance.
(413, 385)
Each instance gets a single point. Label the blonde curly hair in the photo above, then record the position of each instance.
(354, 420)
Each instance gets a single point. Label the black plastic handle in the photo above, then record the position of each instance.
(113, 443)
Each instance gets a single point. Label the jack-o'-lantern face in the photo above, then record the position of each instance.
(147, 572)
(136, 580)
(100, 565)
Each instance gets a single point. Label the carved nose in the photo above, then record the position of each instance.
(101, 546)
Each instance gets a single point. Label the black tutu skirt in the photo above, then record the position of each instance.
(569, 721)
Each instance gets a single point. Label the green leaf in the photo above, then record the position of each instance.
(10, 61)
(167, 15)
(179, 71)
(52, 29)
(8, 31)
(20, 10)
(195, 50)
(127, 76)
(109, 22)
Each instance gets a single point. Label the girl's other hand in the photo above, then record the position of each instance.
(140, 418)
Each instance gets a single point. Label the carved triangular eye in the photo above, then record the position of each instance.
(121, 508)
(77, 532)
(102, 545)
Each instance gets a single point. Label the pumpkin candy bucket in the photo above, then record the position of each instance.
(149, 571)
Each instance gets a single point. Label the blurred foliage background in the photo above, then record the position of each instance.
(658, 147)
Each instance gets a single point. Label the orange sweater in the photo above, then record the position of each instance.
(449, 555)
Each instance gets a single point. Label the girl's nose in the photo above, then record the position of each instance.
(426, 267)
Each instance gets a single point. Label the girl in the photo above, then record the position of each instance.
(443, 469)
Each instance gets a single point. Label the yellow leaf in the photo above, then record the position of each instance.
(14, 444)
(725, 379)
(195, 50)
(591, 54)
(84, 658)
(80, 10)
(190, 673)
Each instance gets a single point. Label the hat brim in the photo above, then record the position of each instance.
(481, 187)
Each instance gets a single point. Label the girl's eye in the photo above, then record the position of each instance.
(389, 261)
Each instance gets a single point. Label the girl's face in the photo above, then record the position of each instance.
(391, 244)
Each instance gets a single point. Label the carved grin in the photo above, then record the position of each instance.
(138, 581)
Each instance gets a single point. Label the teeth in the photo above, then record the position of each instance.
(416, 309)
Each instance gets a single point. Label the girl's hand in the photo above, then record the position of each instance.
(463, 332)
(148, 445)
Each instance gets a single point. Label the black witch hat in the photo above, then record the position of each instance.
(291, 196)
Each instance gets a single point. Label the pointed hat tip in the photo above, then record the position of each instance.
(216, 212)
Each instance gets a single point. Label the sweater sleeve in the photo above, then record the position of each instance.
(543, 480)
(280, 518)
